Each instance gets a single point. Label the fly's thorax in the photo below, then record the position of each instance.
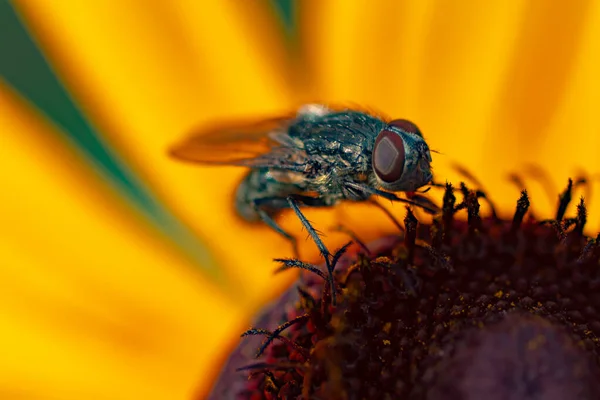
(345, 134)
(313, 111)
(332, 186)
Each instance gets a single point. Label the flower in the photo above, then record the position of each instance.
(483, 308)
(127, 274)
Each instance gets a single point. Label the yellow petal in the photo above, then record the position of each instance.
(147, 76)
(492, 86)
(570, 144)
(95, 304)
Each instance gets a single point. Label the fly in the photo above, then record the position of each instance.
(317, 157)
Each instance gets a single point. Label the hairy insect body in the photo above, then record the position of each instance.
(317, 158)
(331, 156)
(260, 183)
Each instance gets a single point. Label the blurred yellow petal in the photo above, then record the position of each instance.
(492, 86)
(147, 76)
(95, 304)
(487, 83)
(570, 143)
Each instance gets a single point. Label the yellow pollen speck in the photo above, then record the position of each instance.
(386, 328)
(454, 313)
(498, 294)
(386, 342)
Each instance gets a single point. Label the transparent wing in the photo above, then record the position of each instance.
(252, 144)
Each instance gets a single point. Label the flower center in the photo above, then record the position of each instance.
(483, 308)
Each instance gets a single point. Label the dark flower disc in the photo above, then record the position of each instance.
(478, 309)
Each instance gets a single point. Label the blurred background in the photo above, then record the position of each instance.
(126, 274)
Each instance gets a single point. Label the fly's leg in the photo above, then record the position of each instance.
(429, 208)
(267, 219)
(315, 202)
(281, 203)
(293, 202)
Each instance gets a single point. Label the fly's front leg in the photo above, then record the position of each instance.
(429, 208)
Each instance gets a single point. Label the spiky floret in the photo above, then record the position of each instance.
(482, 308)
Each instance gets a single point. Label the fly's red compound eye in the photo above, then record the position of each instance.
(388, 156)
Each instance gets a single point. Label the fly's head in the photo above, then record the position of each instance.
(401, 160)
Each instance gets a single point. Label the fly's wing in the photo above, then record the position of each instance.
(255, 144)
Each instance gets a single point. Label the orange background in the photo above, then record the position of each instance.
(99, 302)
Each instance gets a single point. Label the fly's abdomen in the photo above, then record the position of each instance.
(260, 184)
(245, 194)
